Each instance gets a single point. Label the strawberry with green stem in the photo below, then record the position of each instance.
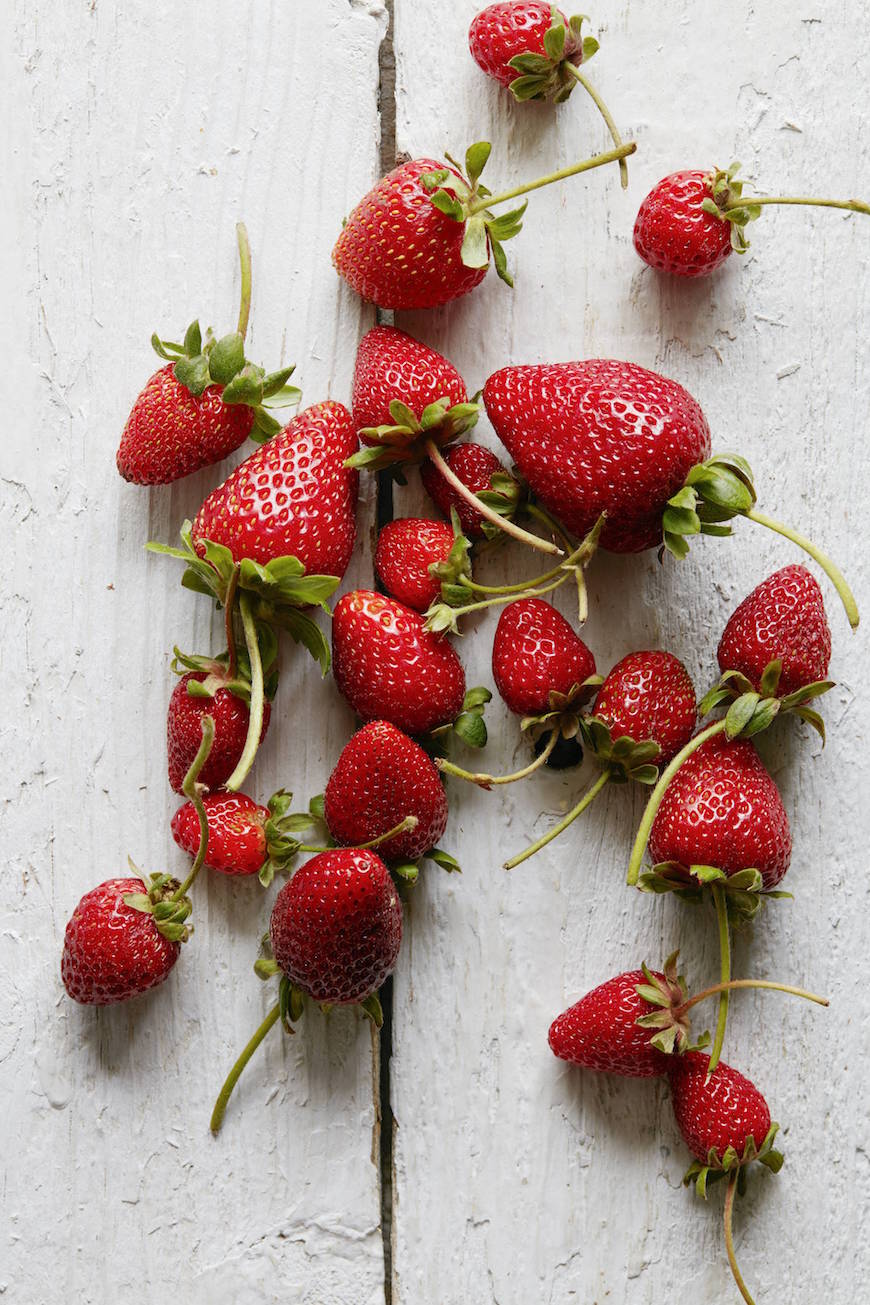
(205, 403)
(488, 479)
(425, 234)
(531, 47)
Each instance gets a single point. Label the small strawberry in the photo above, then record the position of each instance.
(184, 726)
(424, 235)
(539, 663)
(405, 551)
(783, 620)
(381, 777)
(482, 473)
(244, 838)
(531, 47)
(692, 220)
(391, 365)
(601, 1030)
(204, 404)
(376, 642)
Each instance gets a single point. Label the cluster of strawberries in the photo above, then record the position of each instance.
(606, 454)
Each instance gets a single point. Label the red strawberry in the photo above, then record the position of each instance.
(535, 653)
(390, 365)
(649, 695)
(381, 777)
(405, 551)
(336, 927)
(675, 234)
(782, 619)
(236, 832)
(388, 666)
(601, 1031)
(184, 730)
(599, 436)
(292, 497)
(475, 466)
(503, 31)
(713, 1115)
(113, 951)
(723, 809)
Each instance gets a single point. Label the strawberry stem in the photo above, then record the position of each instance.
(655, 798)
(190, 789)
(487, 781)
(509, 527)
(255, 710)
(605, 113)
(245, 263)
(725, 969)
(586, 165)
(232, 661)
(854, 205)
(830, 568)
(729, 1239)
(514, 595)
(586, 800)
(734, 984)
(220, 1106)
(409, 822)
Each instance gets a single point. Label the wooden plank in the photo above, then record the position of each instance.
(135, 139)
(517, 1179)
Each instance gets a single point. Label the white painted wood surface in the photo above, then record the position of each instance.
(134, 140)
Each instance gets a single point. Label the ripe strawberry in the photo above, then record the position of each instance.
(336, 927)
(782, 619)
(236, 832)
(391, 365)
(406, 549)
(113, 951)
(184, 728)
(713, 1115)
(475, 466)
(376, 644)
(723, 809)
(292, 497)
(535, 654)
(649, 695)
(601, 1031)
(381, 777)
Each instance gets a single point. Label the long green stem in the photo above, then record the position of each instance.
(409, 822)
(487, 781)
(733, 984)
(509, 527)
(190, 789)
(725, 975)
(255, 710)
(499, 599)
(549, 522)
(729, 1238)
(220, 1106)
(562, 571)
(833, 572)
(229, 608)
(588, 797)
(658, 793)
(605, 113)
(245, 262)
(586, 165)
(854, 205)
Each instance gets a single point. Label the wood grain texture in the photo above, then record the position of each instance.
(516, 1178)
(135, 139)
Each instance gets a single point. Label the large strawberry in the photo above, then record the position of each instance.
(482, 473)
(405, 551)
(210, 696)
(692, 220)
(204, 404)
(424, 235)
(381, 777)
(607, 436)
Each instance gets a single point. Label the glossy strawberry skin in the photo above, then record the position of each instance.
(389, 667)
(336, 927)
(406, 549)
(784, 617)
(236, 832)
(381, 777)
(112, 952)
(649, 695)
(398, 250)
(673, 233)
(535, 652)
(171, 432)
(725, 1112)
(601, 1032)
(723, 809)
(501, 31)
(390, 365)
(475, 466)
(184, 732)
(599, 436)
(292, 497)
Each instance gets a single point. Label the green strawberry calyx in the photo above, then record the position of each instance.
(549, 76)
(168, 912)
(282, 845)
(726, 202)
(752, 711)
(469, 724)
(222, 672)
(716, 1166)
(743, 891)
(408, 439)
(670, 1019)
(625, 757)
(563, 717)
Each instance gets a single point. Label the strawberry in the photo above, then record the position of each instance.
(784, 620)
(476, 467)
(375, 643)
(114, 950)
(236, 832)
(381, 777)
(601, 1030)
(406, 549)
(204, 404)
(424, 234)
(691, 221)
(537, 659)
(184, 726)
(391, 365)
(649, 695)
